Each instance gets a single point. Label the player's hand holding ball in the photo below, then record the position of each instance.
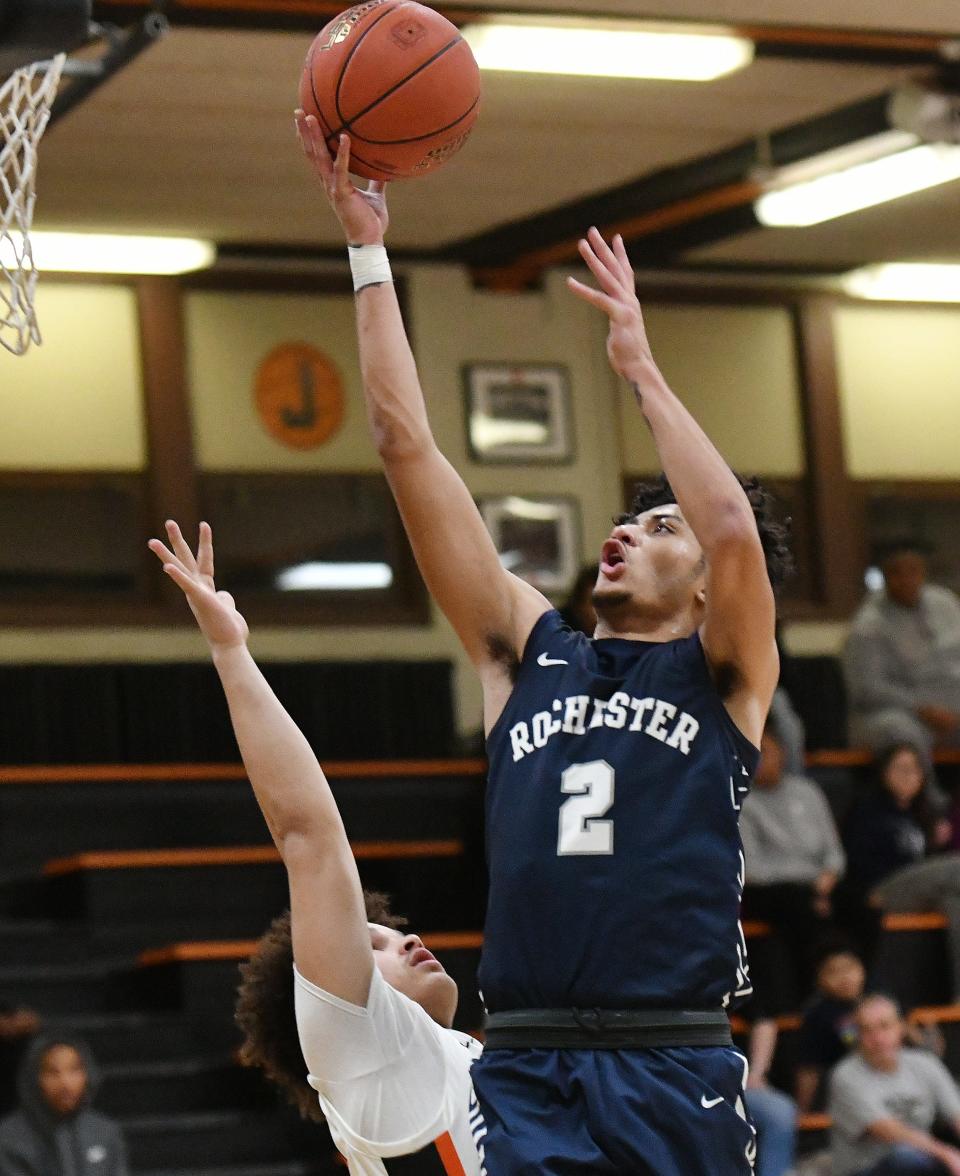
(217, 616)
(361, 212)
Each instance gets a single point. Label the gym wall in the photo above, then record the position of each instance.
(77, 404)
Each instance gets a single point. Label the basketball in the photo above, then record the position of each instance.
(399, 80)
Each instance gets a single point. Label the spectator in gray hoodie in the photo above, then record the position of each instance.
(902, 658)
(793, 857)
(54, 1131)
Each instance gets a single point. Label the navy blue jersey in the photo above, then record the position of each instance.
(616, 869)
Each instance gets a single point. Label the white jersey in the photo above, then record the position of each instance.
(391, 1081)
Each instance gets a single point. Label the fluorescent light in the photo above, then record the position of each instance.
(527, 508)
(607, 49)
(317, 575)
(905, 282)
(864, 185)
(488, 432)
(846, 156)
(109, 253)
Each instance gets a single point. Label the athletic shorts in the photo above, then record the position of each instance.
(639, 1112)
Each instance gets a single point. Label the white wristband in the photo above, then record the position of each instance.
(369, 265)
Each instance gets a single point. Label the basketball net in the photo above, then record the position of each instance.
(25, 101)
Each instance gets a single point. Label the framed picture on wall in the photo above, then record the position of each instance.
(537, 539)
(518, 413)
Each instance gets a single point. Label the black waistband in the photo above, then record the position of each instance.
(605, 1028)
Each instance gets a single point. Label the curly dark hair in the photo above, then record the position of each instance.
(265, 1008)
(774, 532)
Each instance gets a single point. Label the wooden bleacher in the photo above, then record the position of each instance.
(160, 878)
(131, 929)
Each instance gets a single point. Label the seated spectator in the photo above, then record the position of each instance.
(884, 1100)
(577, 610)
(828, 1029)
(785, 717)
(890, 835)
(17, 1026)
(793, 860)
(902, 659)
(54, 1132)
(773, 1112)
(774, 1115)
(790, 731)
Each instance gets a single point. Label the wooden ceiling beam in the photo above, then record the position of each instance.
(778, 39)
(666, 212)
(528, 268)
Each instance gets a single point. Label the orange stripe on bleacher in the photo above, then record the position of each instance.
(453, 940)
(910, 921)
(473, 940)
(861, 757)
(203, 950)
(140, 859)
(915, 921)
(244, 855)
(934, 1014)
(336, 769)
(242, 949)
(842, 757)
(786, 1023)
(814, 1122)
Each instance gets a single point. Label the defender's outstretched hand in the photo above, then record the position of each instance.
(215, 611)
(627, 344)
(361, 212)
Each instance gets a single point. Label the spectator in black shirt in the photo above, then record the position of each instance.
(890, 838)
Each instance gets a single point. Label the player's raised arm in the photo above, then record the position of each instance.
(485, 604)
(331, 937)
(738, 629)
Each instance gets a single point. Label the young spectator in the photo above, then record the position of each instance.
(889, 837)
(828, 1030)
(793, 859)
(773, 1112)
(884, 1100)
(902, 658)
(774, 1115)
(54, 1131)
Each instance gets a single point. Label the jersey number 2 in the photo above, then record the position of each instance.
(581, 832)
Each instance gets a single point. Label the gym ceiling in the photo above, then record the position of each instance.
(194, 136)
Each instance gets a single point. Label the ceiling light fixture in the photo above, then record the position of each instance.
(858, 175)
(903, 281)
(109, 253)
(324, 576)
(611, 49)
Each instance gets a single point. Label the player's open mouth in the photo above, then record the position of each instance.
(422, 957)
(613, 559)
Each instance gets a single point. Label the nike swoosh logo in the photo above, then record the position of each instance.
(544, 660)
(707, 1103)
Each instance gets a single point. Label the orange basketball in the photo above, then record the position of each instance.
(399, 80)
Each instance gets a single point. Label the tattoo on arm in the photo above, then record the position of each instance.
(636, 391)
